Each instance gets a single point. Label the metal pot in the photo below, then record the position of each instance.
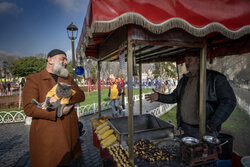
(190, 141)
(211, 140)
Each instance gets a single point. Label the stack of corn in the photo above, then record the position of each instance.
(96, 121)
(106, 134)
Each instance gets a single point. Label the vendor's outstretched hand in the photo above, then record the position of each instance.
(152, 97)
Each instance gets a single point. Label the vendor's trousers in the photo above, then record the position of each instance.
(193, 131)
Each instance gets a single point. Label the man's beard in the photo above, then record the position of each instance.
(192, 68)
(60, 70)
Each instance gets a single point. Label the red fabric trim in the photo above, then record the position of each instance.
(233, 14)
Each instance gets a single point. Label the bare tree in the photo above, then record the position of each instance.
(108, 68)
(41, 55)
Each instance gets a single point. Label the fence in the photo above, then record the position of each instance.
(12, 116)
(93, 108)
(11, 99)
(19, 116)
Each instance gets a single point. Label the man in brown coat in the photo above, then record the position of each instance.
(53, 141)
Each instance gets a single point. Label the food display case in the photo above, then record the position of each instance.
(155, 143)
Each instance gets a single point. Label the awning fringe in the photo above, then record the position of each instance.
(135, 18)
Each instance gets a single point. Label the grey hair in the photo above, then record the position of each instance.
(60, 70)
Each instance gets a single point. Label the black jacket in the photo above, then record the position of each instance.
(220, 99)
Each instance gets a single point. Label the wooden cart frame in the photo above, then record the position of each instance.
(105, 35)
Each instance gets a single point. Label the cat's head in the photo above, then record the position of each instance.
(63, 90)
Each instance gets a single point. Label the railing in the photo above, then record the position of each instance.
(162, 109)
(91, 108)
(19, 116)
(12, 116)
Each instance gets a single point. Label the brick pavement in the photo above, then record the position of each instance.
(14, 142)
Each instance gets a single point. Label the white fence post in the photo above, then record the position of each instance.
(20, 96)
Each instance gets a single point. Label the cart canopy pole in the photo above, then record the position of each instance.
(202, 100)
(99, 88)
(140, 78)
(130, 97)
(177, 69)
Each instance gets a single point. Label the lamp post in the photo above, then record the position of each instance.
(72, 34)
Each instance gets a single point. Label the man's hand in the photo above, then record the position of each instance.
(52, 99)
(43, 106)
(67, 109)
(152, 97)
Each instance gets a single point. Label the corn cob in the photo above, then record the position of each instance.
(110, 141)
(101, 126)
(105, 140)
(107, 133)
(107, 116)
(102, 121)
(95, 124)
(104, 129)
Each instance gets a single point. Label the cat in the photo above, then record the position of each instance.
(62, 92)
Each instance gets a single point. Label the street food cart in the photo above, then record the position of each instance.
(156, 31)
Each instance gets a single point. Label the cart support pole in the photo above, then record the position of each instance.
(202, 100)
(177, 69)
(99, 88)
(130, 97)
(140, 93)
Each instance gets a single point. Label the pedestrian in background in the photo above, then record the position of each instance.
(121, 87)
(114, 94)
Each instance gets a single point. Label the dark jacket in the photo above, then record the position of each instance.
(220, 99)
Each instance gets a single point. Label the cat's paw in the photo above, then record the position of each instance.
(59, 113)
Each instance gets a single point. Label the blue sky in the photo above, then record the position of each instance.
(30, 27)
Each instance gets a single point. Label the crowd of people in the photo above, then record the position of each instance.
(10, 88)
(54, 138)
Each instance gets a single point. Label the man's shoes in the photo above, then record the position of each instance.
(115, 115)
(83, 132)
(80, 128)
(122, 113)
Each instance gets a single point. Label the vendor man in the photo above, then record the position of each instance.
(220, 99)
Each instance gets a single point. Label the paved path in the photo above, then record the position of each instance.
(14, 141)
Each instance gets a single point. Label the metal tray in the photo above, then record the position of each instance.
(145, 126)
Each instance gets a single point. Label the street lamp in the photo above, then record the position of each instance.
(72, 34)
